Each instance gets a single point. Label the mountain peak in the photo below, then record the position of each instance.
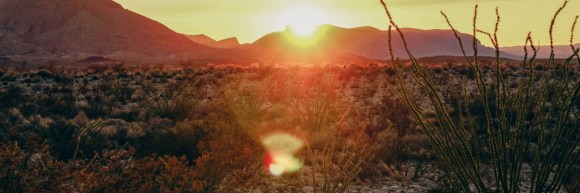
(200, 39)
(366, 28)
(207, 41)
(232, 40)
(93, 27)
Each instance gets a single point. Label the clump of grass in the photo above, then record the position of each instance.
(172, 104)
(247, 103)
(533, 124)
(335, 149)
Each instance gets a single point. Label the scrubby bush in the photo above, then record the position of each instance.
(52, 105)
(96, 105)
(44, 73)
(172, 104)
(180, 140)
(534, 124)
(12, 97)
(229, 160)
(10, 75)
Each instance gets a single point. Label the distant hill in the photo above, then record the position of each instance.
(371, 43)
(207, 41)
(560, 51)
(69, 28)
(461, 59)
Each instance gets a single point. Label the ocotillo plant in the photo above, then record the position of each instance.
(535, 123)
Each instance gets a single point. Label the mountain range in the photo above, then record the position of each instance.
(372, 43)
(560, 51)
(73, 30)
(69, 28)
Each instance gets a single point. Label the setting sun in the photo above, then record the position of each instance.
(303, 20)
(250, 20)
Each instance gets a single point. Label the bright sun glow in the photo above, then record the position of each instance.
(304, 20)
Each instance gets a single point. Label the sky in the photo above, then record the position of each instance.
(249, 20)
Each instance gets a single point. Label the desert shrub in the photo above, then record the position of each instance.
(99, 105)
(12, 97)
(52, 104)
(63, 79)
(122, 93)
(44, 73)
(117, 171)
(397, 141)
(96, 68)
(247, 105)
(465, 71)
(66, 142)
(229, 160)
(110, 171)
(168, 155)
(390, 71)
(175, 104)
(28, 170)
(332, 148)
(130, 112)
(180, 140)
(10, 75)
(396, 116)
(520, 123)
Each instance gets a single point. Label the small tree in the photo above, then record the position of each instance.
(535, 123)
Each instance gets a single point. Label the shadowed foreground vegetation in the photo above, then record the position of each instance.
(199, 128)
(524, 121)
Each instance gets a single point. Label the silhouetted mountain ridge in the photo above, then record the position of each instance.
(77, 29)
(560, 51)
(207, 41)
(88, 27)
(373, 43)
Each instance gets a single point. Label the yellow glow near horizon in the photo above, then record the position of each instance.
(306, 41)
(251, 19)
(304, 20)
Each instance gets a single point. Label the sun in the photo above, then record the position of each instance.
(304, 20)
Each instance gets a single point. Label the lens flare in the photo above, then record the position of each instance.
(281, 148)
(276, 170)
(280, 163)
(282, 142)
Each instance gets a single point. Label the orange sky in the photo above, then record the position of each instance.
(250, 19)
